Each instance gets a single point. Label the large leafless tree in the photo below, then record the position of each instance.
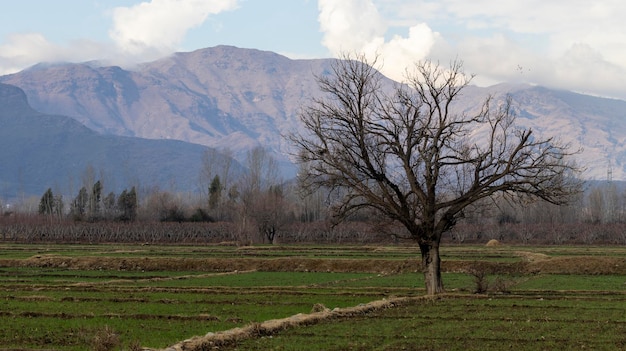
(409, 154)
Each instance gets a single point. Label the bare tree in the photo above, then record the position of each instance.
(270, 212)
(261, 196)
(215, 192)
(410, 156)
(214, 179)
(604, 204)
(262, 171)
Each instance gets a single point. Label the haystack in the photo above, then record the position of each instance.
(493, 242)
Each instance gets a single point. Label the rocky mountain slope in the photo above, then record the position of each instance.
(40, 151)
(221, 97)
(227, 97)
(594, 126)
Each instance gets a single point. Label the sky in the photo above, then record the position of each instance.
(566, 44)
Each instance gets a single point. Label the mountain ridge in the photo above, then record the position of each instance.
(229, 97)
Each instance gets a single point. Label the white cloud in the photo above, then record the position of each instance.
(583, 42)
(23, 49)
(584, 69)
(401, 53)
(142, 32)
(349, 25)
(159, 26)
(570, 44)
(26, 49)
(357, 26)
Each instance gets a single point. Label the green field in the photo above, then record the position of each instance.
(466, 323)
(112, 297)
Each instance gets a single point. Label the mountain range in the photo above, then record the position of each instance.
(232, 98)
(222, 97)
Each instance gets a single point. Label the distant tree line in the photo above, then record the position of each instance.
(283, 213)
(89, 205)
(259, 207)
(258, 204)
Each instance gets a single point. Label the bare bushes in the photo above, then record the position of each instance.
(32, 229)
(327, 233)
(35, 228)
(540, 233)
(488, 278)
(106, 339)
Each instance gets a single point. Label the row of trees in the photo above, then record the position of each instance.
(256, 200)
(364, 230)
(89, 205)
(286, 214)
(268, 211)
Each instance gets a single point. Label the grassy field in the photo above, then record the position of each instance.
(562, 322)
(112, 297)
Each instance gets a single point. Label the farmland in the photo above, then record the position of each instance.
(125, 297)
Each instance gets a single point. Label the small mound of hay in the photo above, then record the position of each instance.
(318, 307)
(493, 242)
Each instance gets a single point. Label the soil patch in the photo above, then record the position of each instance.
(579, 265)
(532, 256)
(530, 263)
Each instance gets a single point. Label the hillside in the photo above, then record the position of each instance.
(40, 151)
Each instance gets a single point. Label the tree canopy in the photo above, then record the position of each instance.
(411, 154)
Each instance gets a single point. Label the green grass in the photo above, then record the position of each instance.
(572, 282)
(260, 279)
(64, 309)
(496, 323)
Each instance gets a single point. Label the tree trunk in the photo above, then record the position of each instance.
(431, 266)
